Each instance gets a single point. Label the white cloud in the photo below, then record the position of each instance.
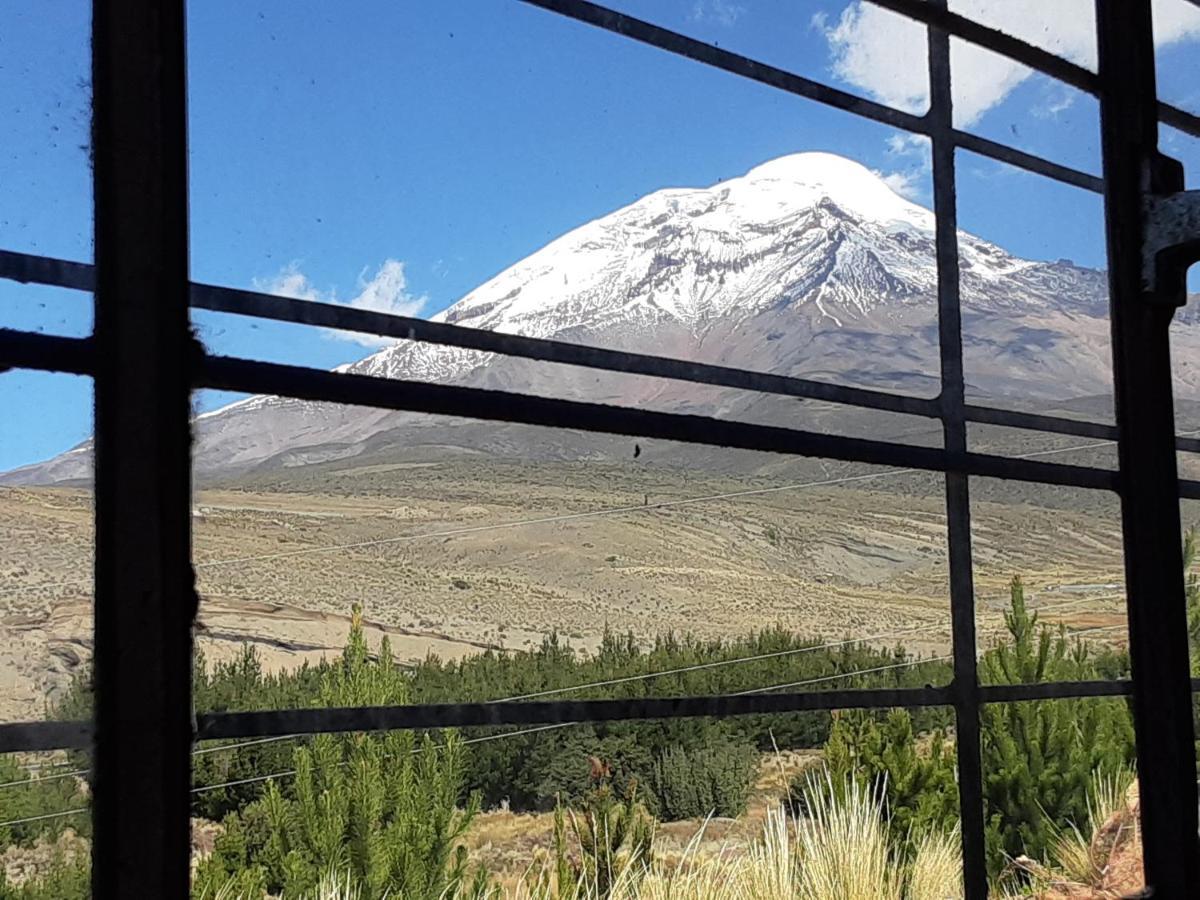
(885, 54)
(912, 181)
(386, 291)
(1058, 100)
(906, 184)
(721, 12)
(290, 282)
(907, 144)
(881, 52)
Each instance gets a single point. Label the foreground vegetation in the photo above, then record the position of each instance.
(685, 768)
(385, 815)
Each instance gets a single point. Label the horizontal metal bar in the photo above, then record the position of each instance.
(20, 737)
(286, 309)
(986, 415)
(995, 40)
(45, 352)
(1022, 160)
(1027, 54)
(736, 64)
(29, 269)
(269, 306)
(51, 353)
(30, 736)
(225, 373)
(1053, 690)
(1188, 123)
(65, 273)
(465, 715)
(328, 315)
(223, 726)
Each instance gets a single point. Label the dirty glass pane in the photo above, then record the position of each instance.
(45, 102)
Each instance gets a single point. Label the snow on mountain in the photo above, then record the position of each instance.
(808, 265)
(811, 228)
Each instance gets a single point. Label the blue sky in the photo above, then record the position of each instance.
(397, 154)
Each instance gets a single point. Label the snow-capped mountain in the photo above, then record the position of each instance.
(808, 265)
(811, 230)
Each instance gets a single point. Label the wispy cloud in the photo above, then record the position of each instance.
(906, 184)
(720, 12)
(1057, 100)
(386, 291)
(885, 55)
(914, 161)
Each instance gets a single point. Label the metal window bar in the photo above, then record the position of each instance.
(80, 276)
(145, 604)
(1158, 634)
(140, 204)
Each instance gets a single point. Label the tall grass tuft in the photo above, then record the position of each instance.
(842, 845)
(936, 872)
(1081, 851)
(771, 867)
(335, 886)
(838, 851)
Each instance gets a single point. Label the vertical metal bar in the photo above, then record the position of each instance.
(958, 501)
(144, 597)
(1158, 642)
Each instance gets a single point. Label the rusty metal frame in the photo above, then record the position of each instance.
(145, 603)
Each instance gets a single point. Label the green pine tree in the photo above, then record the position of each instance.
(614, 837)
(1039, 756)
(917, 783)
(384, 812)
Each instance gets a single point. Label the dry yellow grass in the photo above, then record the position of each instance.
(840, 850)
(936, 872)
(453, 557)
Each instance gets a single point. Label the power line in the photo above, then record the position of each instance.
(42, 779)
(511, 734)
(709, 665)
(824, 678)
(539, 728)
(741, 659)
(642, 676)
(200, 751)
(57, 815)
(477, 740)
(900, 665)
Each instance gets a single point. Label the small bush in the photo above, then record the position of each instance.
(711, 780)
(65, 880)
(30, 795)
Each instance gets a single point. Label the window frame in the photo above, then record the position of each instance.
(146, 363)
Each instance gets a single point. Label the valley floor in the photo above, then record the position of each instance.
(451, 558)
